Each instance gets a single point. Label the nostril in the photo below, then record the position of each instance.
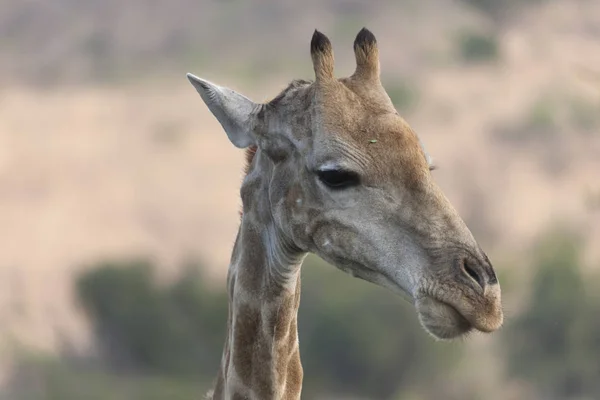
(493, 280)
(473, 274)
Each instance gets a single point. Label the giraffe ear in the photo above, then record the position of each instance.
(233, 110)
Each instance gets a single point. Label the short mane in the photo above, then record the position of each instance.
(250, 152)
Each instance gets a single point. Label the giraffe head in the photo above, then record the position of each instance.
(347, 179)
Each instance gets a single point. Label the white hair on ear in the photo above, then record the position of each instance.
(428, 157)
(234, 111)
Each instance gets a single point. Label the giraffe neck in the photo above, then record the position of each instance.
(261, 357)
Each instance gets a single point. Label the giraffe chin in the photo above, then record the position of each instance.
(441, 320)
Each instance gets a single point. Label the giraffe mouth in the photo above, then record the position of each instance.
(452, 318)
(444, 316)
(441, 319)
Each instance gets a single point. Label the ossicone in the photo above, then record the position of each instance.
(321, 53)
(367, 56)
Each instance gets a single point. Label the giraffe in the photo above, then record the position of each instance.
(332, 169)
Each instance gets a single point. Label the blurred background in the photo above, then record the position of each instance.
(119, 193)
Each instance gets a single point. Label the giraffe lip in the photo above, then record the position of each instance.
(442, 319)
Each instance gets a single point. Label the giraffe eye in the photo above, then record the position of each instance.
(338, 179)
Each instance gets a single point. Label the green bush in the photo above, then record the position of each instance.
(177, 329)
(500, 11)
(476, 47)
(554, 343)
